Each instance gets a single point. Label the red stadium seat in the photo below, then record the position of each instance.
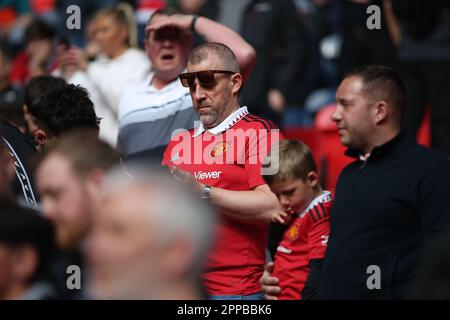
(423, 135)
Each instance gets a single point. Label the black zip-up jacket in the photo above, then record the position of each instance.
(384, 208)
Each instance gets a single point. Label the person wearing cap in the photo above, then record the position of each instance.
(150, 112)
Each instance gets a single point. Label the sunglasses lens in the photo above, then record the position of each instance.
(184, 78)
(206, 78)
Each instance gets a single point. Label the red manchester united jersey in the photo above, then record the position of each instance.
(229, 156)
(305, 239)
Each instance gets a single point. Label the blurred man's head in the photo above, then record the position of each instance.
(63, 110)
(69, 179)
(145, 244)
(370, 105)
(37, 87)
(26, 246)
(214, 82)
(167, 48)
(39, 38)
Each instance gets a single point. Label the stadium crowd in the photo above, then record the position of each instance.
(225, 150)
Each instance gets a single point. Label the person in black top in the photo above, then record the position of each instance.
(388, 201)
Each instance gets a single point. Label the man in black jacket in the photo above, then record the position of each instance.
(388, 201)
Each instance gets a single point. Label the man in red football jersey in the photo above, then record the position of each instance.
(223, 157)
(299, 256)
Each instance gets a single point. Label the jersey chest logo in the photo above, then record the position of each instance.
(219, 149)
(293, 232)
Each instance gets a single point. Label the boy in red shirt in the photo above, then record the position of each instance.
(300, 254)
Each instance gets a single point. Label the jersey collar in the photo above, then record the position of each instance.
(324, 197)
(226, 124)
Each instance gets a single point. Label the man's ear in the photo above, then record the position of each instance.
(40, 136)
(381, 111)
(96, 177)
(236, 80)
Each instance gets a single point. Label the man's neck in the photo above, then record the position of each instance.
(380, 139)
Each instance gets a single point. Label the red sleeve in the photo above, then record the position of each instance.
(318, 238)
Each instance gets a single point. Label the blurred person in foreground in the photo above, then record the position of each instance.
(69, 179)
(119, 65)
(145, 245)
(26, 247)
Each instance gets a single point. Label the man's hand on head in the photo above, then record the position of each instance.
(180, 21)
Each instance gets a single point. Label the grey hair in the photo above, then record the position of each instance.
(223, 52)
(171, 207)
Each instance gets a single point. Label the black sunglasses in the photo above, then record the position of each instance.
(206, 78)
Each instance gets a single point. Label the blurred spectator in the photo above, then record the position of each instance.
(119, 67)
(34, 90)
(143, 11)
(69, 177)
(15, 16)
(88, 9)
(26, 247)
(274, 29)
(39, 55)
(20, 151)
(360, 45)
(421, 31)
(61, 111)
(152, 111)
(10, 97)
(143, 244)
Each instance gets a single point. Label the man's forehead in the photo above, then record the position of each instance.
(350, 86)
(212, 62)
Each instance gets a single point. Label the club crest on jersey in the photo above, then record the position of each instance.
(293, 232)
(219, 149)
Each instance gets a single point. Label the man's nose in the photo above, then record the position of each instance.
(336, 115)
(198, 91)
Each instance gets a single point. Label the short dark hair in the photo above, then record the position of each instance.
(38, 87)
(294, 161)
(66, 109)
(38, 30)
(226, 55)
(19, 226)
(85, 151)
(382, 83)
